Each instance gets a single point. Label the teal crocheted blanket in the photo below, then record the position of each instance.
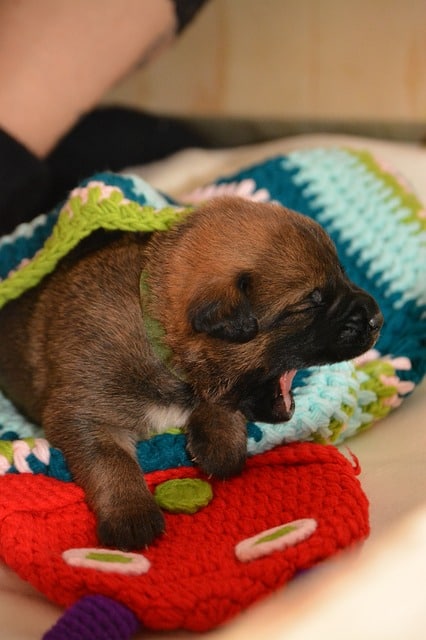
(379, 227)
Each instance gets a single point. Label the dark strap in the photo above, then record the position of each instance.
(185, 11)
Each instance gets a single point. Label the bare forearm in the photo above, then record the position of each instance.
(58, 58)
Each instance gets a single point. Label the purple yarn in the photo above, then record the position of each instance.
(94, 618)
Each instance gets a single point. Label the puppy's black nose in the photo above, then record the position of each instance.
(376, 322)
(362, 317)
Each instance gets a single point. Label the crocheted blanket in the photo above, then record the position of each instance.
(379, 227)
(301, 502)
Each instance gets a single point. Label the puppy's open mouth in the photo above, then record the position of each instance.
(283, 405)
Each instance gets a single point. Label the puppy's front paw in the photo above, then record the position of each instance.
(222, 464)
(217, 441)
(131, 526)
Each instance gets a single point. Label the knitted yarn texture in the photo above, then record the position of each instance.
(379, 227)
(227, 543)
(289, 509)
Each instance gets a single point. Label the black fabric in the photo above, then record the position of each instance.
(114, 138)
(24, 183)
(185, 11)
(110, 138)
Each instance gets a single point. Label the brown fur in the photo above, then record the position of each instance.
(240, 293)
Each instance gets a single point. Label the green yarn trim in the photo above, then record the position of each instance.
(407, 199)
(76, 221)
(336, 425)
(377, 409)
(6, 450)
(154, 328)
(374, 410)
(174, 431)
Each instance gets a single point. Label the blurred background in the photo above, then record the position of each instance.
(279, 67)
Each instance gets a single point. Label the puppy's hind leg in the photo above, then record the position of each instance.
(103, 463)
(217, 440)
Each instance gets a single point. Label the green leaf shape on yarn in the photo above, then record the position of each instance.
(108, 557)
(186, 495)
(277, 534)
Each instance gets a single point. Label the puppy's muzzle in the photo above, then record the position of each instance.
(359, 321)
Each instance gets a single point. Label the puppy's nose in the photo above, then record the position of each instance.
(376, 322)
(362, 317)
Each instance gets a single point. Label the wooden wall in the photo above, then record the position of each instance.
(292, 59)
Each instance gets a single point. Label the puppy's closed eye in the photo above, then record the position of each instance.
(316, 297)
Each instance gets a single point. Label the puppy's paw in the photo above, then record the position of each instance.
(131, 526)
(217, 441)
(220, 464)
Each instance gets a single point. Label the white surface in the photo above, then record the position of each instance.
(376, 593)
(188, 169)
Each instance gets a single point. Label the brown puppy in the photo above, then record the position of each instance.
(202, 327)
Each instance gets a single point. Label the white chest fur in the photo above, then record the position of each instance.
(162, 418)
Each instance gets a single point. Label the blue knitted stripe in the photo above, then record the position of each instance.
(358, 208)
(24, 242)
(161, 452)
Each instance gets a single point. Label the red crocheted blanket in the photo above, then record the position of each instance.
(227, 543)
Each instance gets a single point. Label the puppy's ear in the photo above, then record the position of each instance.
(226, 313)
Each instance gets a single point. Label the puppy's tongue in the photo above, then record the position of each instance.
(285, 385)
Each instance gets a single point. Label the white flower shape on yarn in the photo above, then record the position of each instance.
(108, 560)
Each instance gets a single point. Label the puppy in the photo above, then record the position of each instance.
(201, 327)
